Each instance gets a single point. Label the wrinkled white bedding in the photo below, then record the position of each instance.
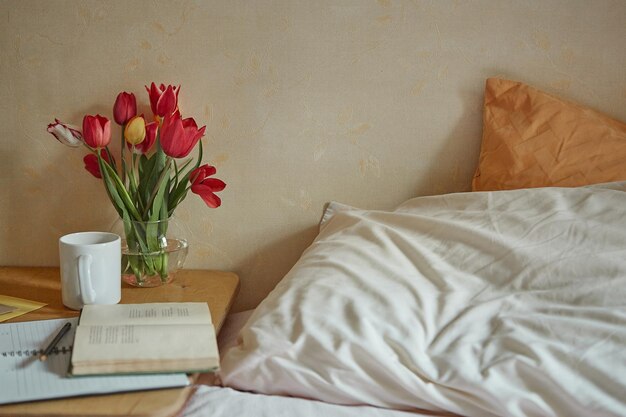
(213, 401)
(505, 303)
(226, 402)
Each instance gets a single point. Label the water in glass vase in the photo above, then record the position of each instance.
(154, 268)
(151, 252)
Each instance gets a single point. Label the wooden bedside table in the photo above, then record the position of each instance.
(216, 288)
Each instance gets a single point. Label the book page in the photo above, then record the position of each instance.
(132, 343)
(146, 314)
(24, 378)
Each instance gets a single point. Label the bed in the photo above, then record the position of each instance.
(505, 301)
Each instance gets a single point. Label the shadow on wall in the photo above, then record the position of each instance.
(49, 206)
(452, 168)
(275, 258)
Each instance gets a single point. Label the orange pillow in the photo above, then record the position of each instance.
(533, 139)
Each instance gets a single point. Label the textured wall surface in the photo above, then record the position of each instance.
(365, 102)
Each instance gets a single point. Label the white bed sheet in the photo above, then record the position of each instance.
(227, 402)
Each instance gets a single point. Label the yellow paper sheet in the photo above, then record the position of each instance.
(21, 306)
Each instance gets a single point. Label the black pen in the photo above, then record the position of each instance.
(54, 342)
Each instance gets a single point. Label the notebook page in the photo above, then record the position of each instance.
(24, 378)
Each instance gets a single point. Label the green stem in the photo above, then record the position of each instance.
(155, 190)
(121, 189)
(110, 188)
(89, 147)
(132, 183)
(122, 155)
(136, 173)
(106, 149)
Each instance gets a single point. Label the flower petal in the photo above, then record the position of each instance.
(207, 195)
(214, 184)
(135, 130)
(96, 131)
(125, 107)
(66, 134)
(91, 165)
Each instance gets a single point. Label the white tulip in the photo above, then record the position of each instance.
(66, 134)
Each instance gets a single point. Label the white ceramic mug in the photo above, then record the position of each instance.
(90, 264)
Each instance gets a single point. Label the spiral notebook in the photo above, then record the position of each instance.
(24, 378)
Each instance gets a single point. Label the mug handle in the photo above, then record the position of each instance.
(87, 293)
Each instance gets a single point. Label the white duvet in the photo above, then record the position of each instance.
(507, 303)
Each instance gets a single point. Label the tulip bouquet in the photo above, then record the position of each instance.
(152, 174)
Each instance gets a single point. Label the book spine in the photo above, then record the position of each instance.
(26, 353)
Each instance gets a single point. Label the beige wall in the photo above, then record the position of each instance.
(365, 102)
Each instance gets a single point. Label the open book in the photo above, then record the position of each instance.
(144, 338)
(25, 378)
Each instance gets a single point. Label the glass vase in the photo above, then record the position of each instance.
(152, 251)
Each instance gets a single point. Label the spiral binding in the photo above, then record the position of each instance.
(26, 353)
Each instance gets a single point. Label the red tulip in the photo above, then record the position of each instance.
(206, 187)
(145, 146)
(96, 131)
(163, 100)
(125, 107)
(91, 163)
(179, 136)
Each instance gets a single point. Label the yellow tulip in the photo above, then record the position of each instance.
(135, 131)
